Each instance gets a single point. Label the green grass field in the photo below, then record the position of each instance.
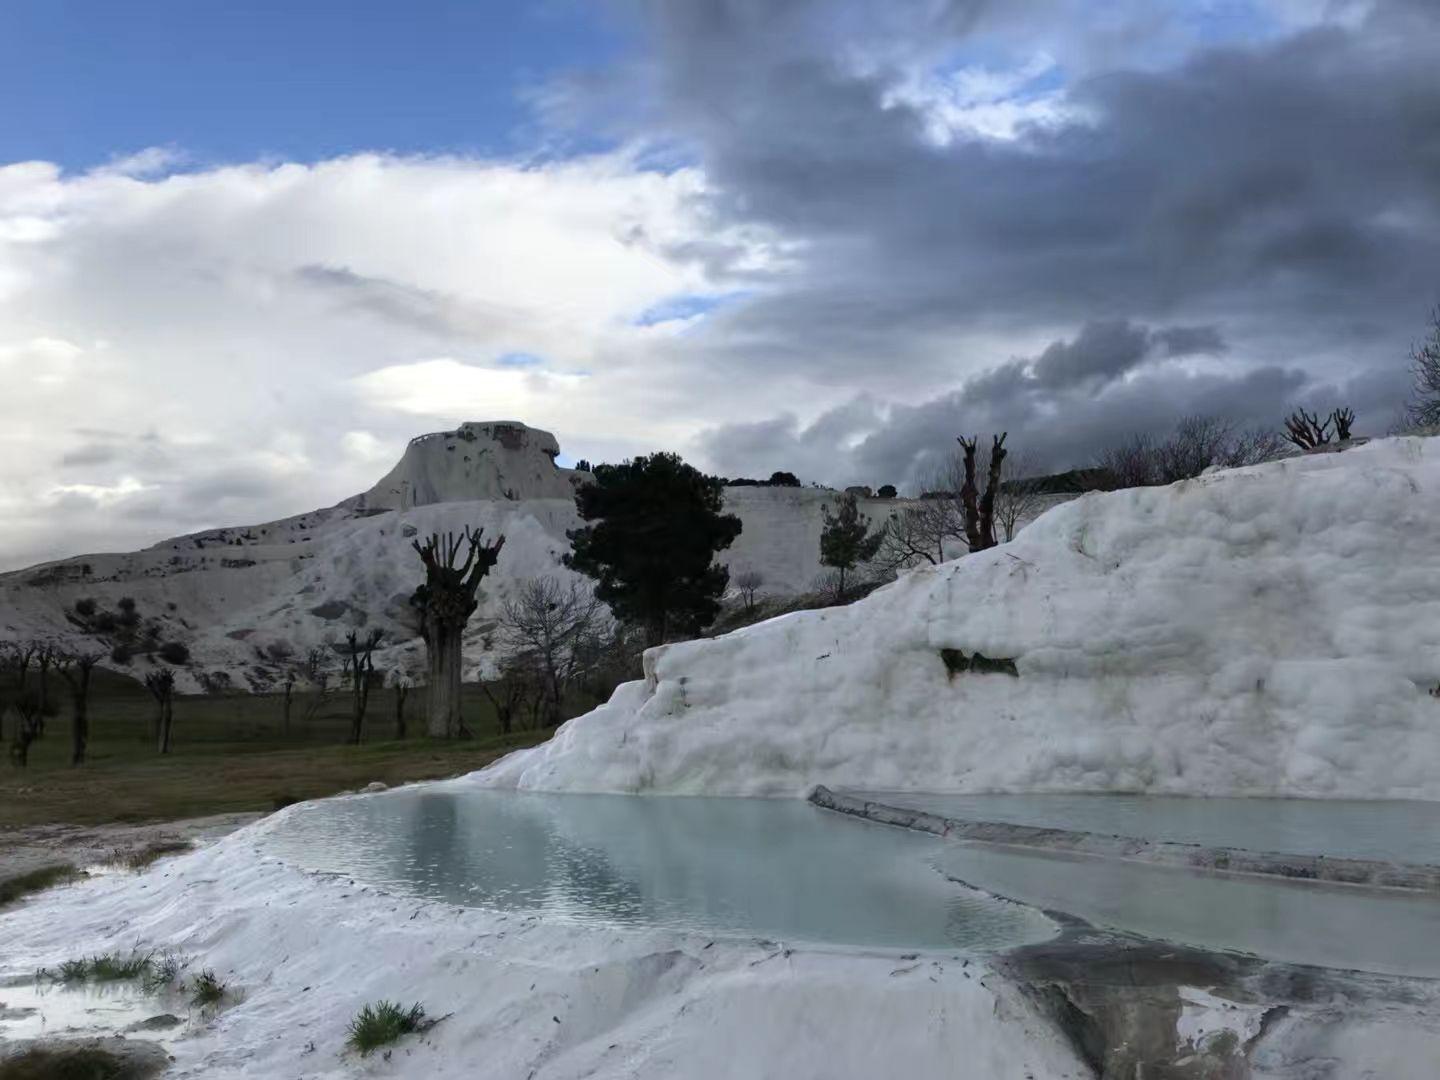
(230, 754)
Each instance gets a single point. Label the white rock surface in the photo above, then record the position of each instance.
(522, 998)
(497, 459)
(1273, 630)
(229, 594)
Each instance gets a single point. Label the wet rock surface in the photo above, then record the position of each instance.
(1132, 1007)
(1346, 871)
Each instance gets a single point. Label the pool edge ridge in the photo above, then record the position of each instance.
(1364, 873)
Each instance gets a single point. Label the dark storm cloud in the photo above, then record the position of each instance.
(1100, 353)
(1057, 423)
(1191, 340)
(1272, 206)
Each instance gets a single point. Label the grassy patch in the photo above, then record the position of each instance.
(231, 755)
(44, 877)
(108, 967)
(382, 1023)
(138, 859)
(206, 990)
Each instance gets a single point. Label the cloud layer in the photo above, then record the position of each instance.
(831, 235)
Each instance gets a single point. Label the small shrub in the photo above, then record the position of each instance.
(163, 972)
(207, 989)
(44, 877)
(112, 967)
(85, 606)
(122, 653)
(105, 622)
(173, 652)
(384, 1022)
(139, 858)
(126, 604)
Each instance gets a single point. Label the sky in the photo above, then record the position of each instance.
(247, 250)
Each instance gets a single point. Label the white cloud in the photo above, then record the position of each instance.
(101, 495)
(446, 386)
(282, 321)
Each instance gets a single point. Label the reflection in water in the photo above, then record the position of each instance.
(753, 867)
(1302, 922)
(34, 1009)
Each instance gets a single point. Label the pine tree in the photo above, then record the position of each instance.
(651, 550)
(846, 540)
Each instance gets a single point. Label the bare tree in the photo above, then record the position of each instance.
(1197, 443)
(161, 685)
(1128, 464)
(916, 535)
(47, 655)
(748, 583)
(287, 688)
(1423, 409)
(357, 660)
(20, 699)
(548, 620)
(446, 601)
(75, 669)
(1307, 430)
(26, 705)
(1019, 498)
(317, 674)
(15, 661)
(1253, 447)
(609, 655)
(519, 684)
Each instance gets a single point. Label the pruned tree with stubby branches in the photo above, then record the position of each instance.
(979, 509)
(1306, 430)
(445, 602)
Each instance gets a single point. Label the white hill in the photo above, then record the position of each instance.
(232, 594)
(1272, 630)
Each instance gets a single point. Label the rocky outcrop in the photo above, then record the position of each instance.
(494, 459)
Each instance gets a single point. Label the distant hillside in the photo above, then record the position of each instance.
(241, 599)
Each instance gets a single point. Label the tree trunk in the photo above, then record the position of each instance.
(992, 487)
(80, 724)
(44, 695)
(166, 718)
(442, 719)
(357, 707)
(285, 723)
(400, 694)
(969, 495)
